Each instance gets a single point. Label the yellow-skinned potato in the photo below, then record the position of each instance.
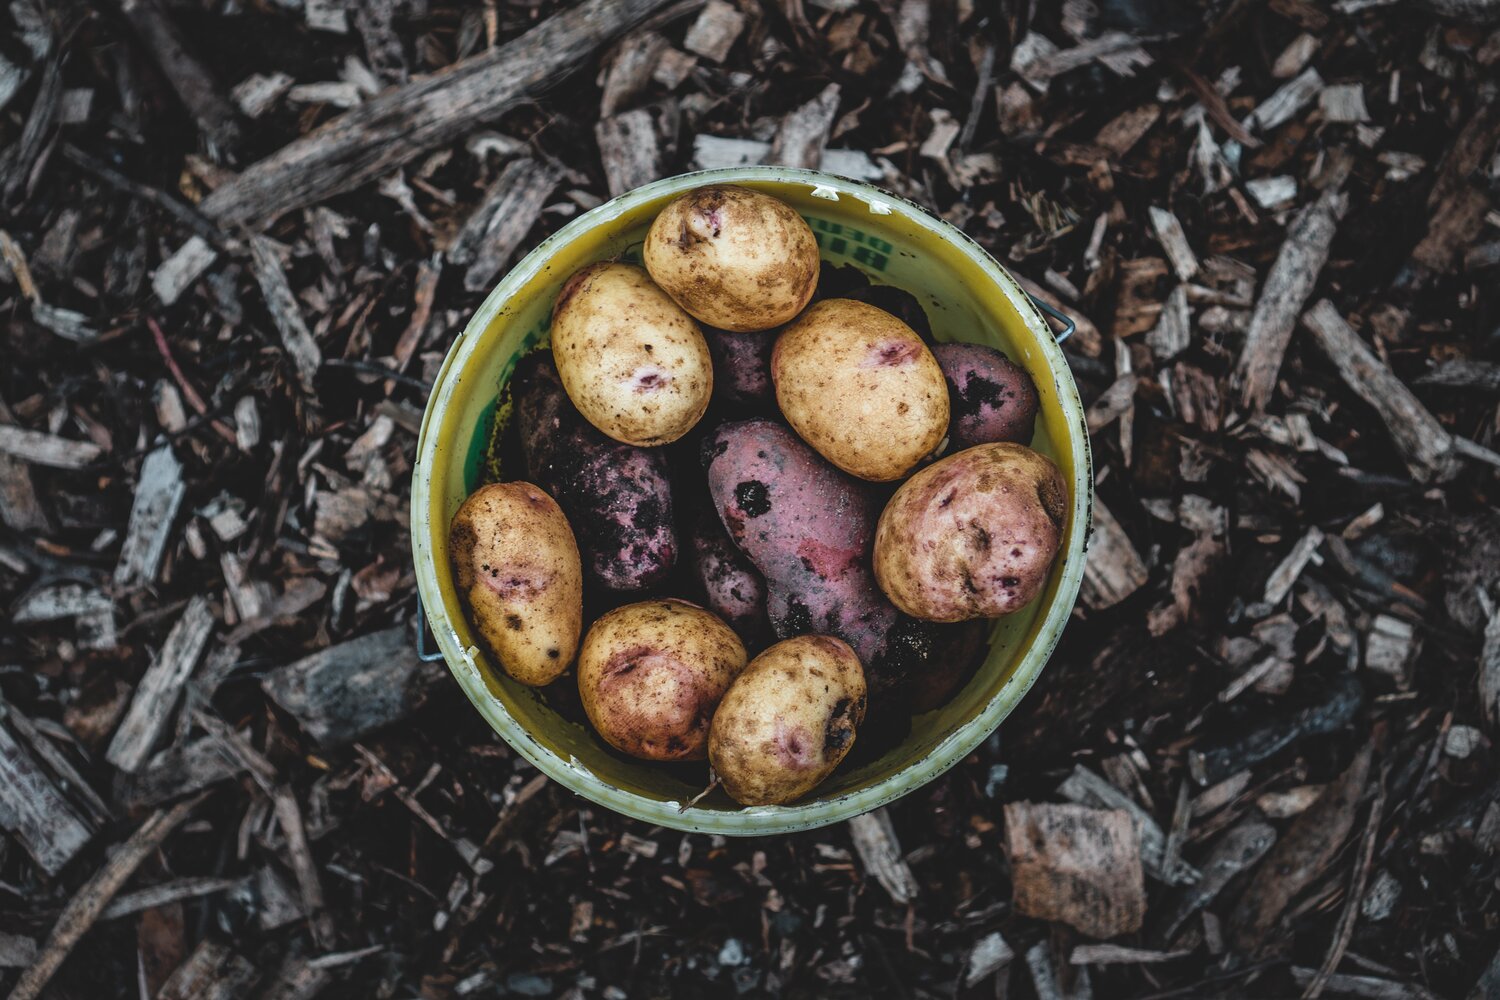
(788, 720)
(519, 572)
(860, 387)
(736, 259)
(633, 363)
(651, 675)
(973, 535)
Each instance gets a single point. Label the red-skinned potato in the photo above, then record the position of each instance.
(652, 674)
(734, 258)
(633, 363)
(518, 570)
(859, 385)
(788, 720)
(973, 535)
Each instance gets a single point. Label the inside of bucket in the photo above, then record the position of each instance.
(889, 249)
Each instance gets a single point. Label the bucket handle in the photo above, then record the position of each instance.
(423, 654)
(1069, 326)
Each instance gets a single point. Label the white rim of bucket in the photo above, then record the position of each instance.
(754, 820)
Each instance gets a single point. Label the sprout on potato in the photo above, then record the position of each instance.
(734, 258)
(973, 535)
(633, 363)
(651, 674)
(518, 570)
(788, 720)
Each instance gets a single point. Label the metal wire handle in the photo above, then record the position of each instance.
(1069, 326)
(422, 630)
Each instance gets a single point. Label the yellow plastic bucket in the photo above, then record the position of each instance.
(968, 297)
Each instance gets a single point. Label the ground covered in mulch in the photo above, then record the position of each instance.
(1261, 762)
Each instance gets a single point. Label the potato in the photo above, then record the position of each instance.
(788, 720)
(973, 535)
(806, 526)
(618, 497)
(860, 387)
(651, 674)
(947, 655)
(734, 589)
(991, 397)
(734, 258)
(518, 571)
(633, 363)
(742, 368)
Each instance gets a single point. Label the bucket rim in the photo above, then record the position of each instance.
(752, 820)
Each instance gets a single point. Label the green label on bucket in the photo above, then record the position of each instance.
(840, 240)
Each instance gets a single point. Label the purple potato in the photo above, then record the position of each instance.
(735, 591)
(991, 397)
(742, 366)
(944, 665)
(806, 526)
(618, 497)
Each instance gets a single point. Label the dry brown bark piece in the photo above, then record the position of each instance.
(187, 74)
(34, 810)
(91, 899)
(875, 839)
(159, 689)
(211, 972)
(803, 133)
(342, 692)
(1458, 204)
(371, 140)
(495, 229)
(1425, 446)
(629, 149)
(1298, 858)
(1287, 287)
(1076, 865)
(1114, 569)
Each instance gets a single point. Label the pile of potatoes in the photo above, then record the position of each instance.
(862, 601)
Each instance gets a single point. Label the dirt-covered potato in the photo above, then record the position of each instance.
(973, 535)
(806, 526)
(633, 363)
(742, 368)
(651, 674)
(735, 590)
(734, 258)
(860, 387)
(788, 720)
(518, 571)
(617, 497)
(956, 649)
(992, 398)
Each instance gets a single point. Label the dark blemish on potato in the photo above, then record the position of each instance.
(980, 536)
(712, 449)
(798, 618)
(553, 654)
(1010, 582)
(753, 497)
(647, 382)
(513, 622)
(839, 732)
(945, 501)
(1054, 499)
